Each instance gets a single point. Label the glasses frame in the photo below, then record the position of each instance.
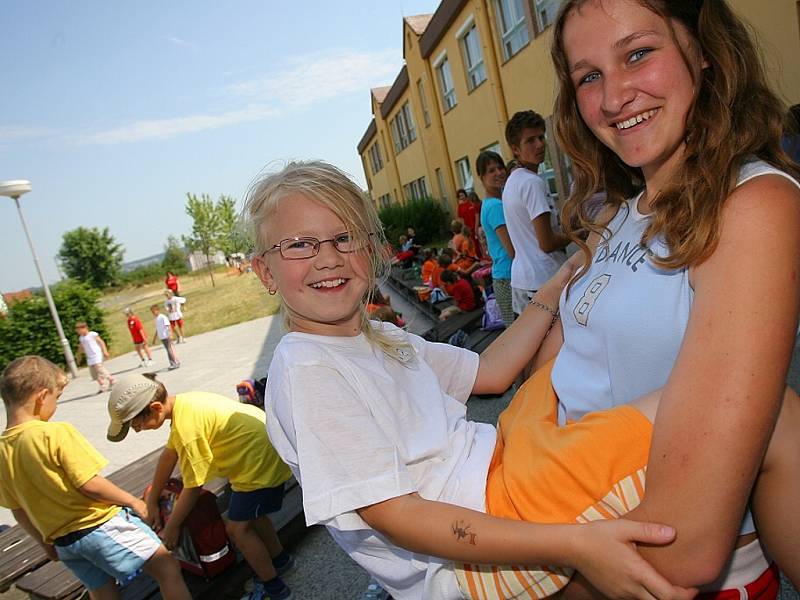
(317, 244)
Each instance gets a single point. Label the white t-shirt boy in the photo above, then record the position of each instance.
(94, 354)
(162, 327)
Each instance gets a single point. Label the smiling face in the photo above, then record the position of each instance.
(324, 293)
(632, 85)
(494, 179)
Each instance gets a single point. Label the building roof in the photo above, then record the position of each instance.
(379, 93)
(372, 129)
(442, 19)
(398, 87)
(418, 23)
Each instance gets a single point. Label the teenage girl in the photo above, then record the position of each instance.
(665, 105)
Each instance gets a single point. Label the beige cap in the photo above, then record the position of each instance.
(130, 395)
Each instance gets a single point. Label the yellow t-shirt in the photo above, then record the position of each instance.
(215, 436)
(42, 465)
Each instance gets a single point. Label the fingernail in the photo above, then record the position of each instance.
(667, 531)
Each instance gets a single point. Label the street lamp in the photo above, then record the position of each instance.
(14, 189)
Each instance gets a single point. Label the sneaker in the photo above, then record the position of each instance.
(260, 593)
(281, 570)
(374, 591)
(173, 367)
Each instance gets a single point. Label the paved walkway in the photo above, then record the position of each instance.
(212, 362)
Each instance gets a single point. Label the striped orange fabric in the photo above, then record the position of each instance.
(540, 472)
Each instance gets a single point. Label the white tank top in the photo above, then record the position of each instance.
(625, 319)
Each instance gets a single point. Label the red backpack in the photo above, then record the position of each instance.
(203, 547)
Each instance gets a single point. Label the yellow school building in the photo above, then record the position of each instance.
(472, 64)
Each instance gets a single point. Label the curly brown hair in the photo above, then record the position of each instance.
(735, 116)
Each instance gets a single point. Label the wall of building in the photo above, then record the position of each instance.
(524, 81)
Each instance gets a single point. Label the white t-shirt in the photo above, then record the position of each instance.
(94, 354)
(524, 199)
(357, 428)
(173, 306)
(162, 327)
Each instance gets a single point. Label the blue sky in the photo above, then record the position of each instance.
(114, 111)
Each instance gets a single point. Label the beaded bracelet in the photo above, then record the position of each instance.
(546, 308)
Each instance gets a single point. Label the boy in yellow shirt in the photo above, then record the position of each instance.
(212, 436)
(50, 481)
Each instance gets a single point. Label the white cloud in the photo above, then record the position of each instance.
(313, 78)
(161, 129)
(181, 43)
(304, 81)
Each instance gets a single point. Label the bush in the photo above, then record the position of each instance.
(426, 216)
(29, 328)
(143, 275)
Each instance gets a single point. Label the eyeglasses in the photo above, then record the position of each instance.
(298, 248)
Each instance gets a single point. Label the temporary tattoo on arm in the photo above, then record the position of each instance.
(463, 534)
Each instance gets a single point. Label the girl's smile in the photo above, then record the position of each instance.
(324, 292)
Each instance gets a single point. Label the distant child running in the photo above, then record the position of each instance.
(173, 305)
(50, 481)
(95, 349)
(139, 338)
(212, 436)
(372, 421)
(164, 333)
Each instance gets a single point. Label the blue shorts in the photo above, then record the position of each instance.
(246, 506)
(117, 548)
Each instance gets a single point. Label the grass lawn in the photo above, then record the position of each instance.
(234, 299)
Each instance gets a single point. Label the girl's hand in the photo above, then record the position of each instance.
(606, 555)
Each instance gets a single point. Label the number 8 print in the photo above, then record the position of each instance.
(585, 304)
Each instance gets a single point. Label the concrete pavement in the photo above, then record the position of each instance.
(211, 362)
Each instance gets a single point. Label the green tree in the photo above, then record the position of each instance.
(207, 227)
(29, 328)
(174, 256)
(92, 256)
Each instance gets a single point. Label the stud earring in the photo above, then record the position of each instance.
(272, 291)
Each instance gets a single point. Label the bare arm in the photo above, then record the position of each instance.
(549, 240)
(460, 534)
(164, 468)
(25, 522)
(183, 506)
(103, 346)
(100, 488)
(505, 239)
(722, 398)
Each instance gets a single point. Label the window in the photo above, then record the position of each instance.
(403, 130)
(416, 190)
(375, 158)
(446, 83)
(464, 173)
(545, 13)
(514, 32)
(473, 59)
(493, 147)
(426, 116)
(440, 181)
(385, 200)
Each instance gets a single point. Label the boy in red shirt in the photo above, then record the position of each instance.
(139, 338)
(460, 290)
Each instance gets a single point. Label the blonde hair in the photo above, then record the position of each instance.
(332, 188)
(28, 375)
(735, 115)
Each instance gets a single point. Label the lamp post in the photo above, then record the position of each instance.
(14, 189)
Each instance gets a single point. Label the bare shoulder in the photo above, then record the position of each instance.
(766, 205)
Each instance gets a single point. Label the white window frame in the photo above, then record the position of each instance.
(423, 100)
(375, 158)
(464, 172)
(415, 190)
(493, 147)
(442, 187)
(513, 29)
(445, 77)
(403, 130)
(470, 43)
(545, 11)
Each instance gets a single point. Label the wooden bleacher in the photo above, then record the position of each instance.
(24, 564)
